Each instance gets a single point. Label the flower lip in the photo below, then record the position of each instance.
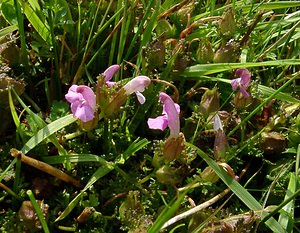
(138, 83)
(109, 73)
(169, 117)
(243, 82)
(83, 102)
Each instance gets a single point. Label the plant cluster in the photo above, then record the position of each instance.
(149, 116)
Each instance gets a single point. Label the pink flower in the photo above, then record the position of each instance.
(109, 73)
(83, 102)
(137, 85)
(242, 82)
(169, 117)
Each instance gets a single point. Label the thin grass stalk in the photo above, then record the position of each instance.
(55, 85)
(9, 167)
(147, 35)
(280, 40)
(38, 211)
(78, 25)
(8, 190)
(279, 207)
(124, 30)
(139, 30)
(87, 48)
(108, 38)
(22, 33)
(114, 36)
(16, 186)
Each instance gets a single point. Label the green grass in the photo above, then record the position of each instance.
(186, 48)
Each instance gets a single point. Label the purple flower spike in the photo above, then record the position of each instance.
(243, 82)
(109, 73)
(170, 116)
(137, 85)
(83, 102)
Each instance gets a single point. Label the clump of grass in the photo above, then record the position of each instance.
(131, 178)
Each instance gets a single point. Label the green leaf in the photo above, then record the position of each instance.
(166, 214)
(238, 190)
(8, 30)
(47, 131)
(8, 12)
(102, 171)
(76, 158)
(205, 69)
(41, 26)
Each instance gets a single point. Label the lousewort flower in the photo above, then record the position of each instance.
(83, 102)
(109, 73)
(137, 85)
(242, 82)
(221, 143)
(169, 117)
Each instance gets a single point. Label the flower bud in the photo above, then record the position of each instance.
(210, 102)
(167, 175)
(272, 142)
(227, 23)
(156, 55)
(205, 53)
(173, 147)
(240, 101)
(208, 175)
(227, 54)
(220, 145)
(164, 29)
(117, 102)
(28, 216)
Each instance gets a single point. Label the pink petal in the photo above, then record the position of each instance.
(138, 83)
(235, 83)
(217, 123)
(244, 92)
(245, 76)
(72, 94)
(88, 95)
(84, 113)
(110, 84)
(172, 114)
(110, 72)
(140, 97)
(176, 106)
(160, 122)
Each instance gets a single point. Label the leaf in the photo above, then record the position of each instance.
(8, 30)
(102, 171)
(47, 131)
(40, 26)
(8, 12)
(238, 190)
(204, 69)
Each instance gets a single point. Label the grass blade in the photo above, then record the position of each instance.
(41, 27)
(7, 30)
(206, 69)
(238, 190)
(47, 131)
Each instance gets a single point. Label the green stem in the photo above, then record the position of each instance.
(38, 211)
(22, 33)
(56, 85)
